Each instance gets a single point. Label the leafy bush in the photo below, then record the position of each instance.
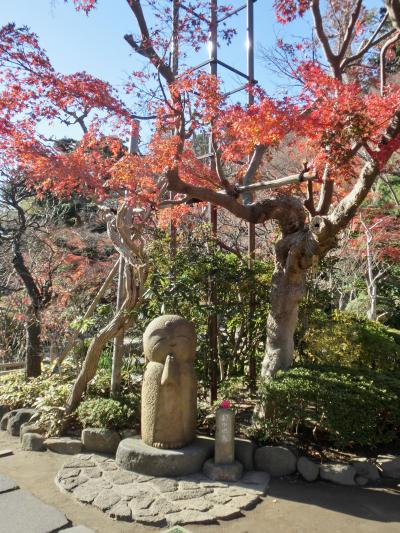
(16, 391)
(347, 340)
(51, 407)
(330, 405)
(49, 393)
(104, 413)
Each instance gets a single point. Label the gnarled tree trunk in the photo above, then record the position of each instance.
(293, 256)
(127, 238)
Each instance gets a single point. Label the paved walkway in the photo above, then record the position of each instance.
(21, 512)
(296, 507)
(195, 499)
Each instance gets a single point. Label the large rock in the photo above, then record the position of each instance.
(3, 410)
(29, 427)
(135, 455)
(338, 473)
(244, 453)
(100, 440)
(366, 469)
(17, 418)
(4, 420)
(64, 445)
(127, 433)
(32, 442)
(390, 466)
(276, 460)
(307, 468)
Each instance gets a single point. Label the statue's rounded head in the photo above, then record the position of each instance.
(169, 334)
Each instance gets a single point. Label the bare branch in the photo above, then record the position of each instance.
(332, 59)
(145, 48)
(309, 201)
(372, 41)
(263, 185)
(350, 30)
(325, 197)
(254, 165)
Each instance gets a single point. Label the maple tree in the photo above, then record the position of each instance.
(347, 132)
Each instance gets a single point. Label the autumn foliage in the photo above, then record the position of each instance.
(330, 120)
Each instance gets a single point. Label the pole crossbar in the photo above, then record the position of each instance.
(225, 65)
(228, 15)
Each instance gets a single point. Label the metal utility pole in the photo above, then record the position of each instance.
(213, 220)
(175, 70)
(211, 363)
(249, 197)
(118, 345)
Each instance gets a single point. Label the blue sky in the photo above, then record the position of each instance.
(95, 43)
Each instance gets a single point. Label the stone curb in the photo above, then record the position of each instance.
(279, 461)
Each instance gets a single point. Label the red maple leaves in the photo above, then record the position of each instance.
(329, 120)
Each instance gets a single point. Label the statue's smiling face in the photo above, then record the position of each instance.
(172, 337)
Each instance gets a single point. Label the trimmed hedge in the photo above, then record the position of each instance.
(330, 405)
(346, 340)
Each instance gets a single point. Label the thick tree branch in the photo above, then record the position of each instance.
(309, 201)
(254, 164)
(274, 184)
(332, 59)
(326, 193)
(347, 208)
(288, 211)
(146, 48)
(349, 35)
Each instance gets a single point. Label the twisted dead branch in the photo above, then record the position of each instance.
(125, 229)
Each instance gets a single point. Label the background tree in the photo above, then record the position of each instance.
(22, 223)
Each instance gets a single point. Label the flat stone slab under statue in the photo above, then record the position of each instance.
(136, 456)
(158, 501)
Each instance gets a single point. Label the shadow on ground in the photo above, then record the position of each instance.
(379, 504)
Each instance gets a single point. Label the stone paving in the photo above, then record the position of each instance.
(21, 512)
(96, 480)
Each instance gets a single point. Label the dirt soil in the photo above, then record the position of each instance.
(292, 506)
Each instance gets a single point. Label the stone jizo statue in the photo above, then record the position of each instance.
(169, 392)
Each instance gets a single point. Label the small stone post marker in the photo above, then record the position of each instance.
(224, 437)
(224, 467)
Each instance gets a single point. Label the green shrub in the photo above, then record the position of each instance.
(16, 391)
(181, 286)
(330, 405)
(104, 413)
(347, 340)
(48, 393)
(51, 406)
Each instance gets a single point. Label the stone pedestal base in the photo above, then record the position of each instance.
(231, 472)
(134, 455)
